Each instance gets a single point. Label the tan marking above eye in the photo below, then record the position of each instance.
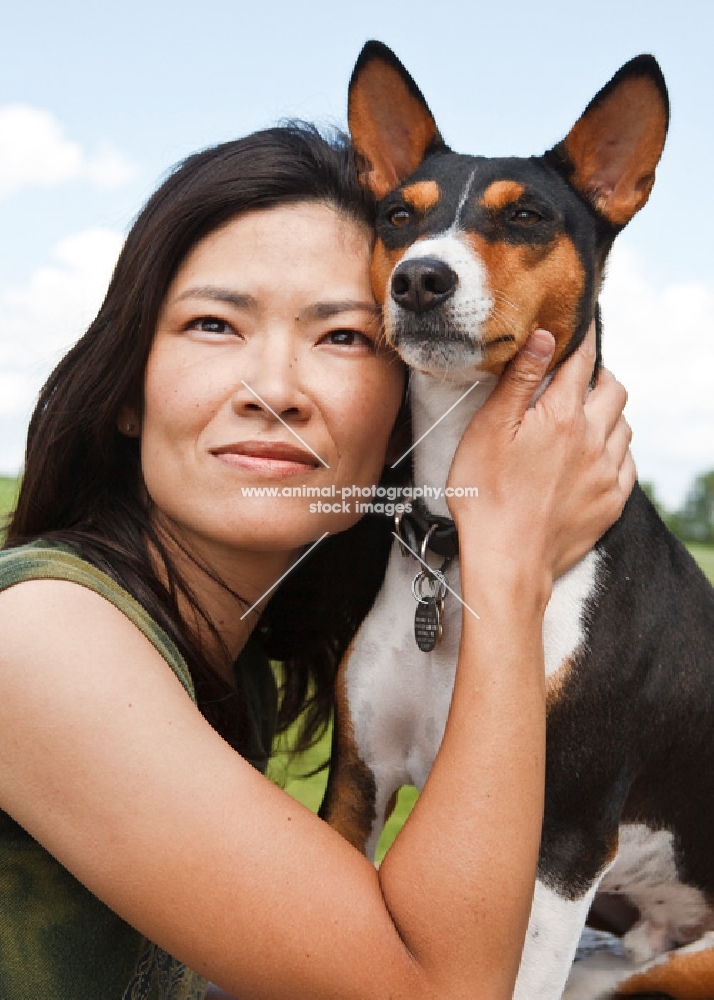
(501, 193)
(422, 195)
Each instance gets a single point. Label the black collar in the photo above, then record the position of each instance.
(413, 527)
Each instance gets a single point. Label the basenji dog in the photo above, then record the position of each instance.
(471, 255)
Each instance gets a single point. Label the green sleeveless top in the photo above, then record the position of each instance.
(57, 940)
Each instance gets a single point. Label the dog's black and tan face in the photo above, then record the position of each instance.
(473, 253)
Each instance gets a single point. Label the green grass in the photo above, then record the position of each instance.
(8, 495)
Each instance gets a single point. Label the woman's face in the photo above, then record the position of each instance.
(265, 374)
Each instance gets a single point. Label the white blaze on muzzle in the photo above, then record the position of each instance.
(449, 335)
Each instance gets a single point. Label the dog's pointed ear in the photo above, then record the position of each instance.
(390, 123)
(611, 152)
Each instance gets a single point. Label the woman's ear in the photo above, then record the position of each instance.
(128, 422)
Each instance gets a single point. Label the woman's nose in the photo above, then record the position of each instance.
(270, 386)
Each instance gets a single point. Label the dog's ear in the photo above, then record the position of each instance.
(390, 122)
(611, 152)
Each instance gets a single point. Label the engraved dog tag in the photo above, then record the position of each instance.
(427, 625)
(428, 589)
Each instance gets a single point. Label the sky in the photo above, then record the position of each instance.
(99, 100)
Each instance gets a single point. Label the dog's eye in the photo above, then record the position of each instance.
(399, 216)
(526, 216)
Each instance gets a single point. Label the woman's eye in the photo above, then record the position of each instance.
(399, 216)
(347, 338)
(526, 216)
(211, 324)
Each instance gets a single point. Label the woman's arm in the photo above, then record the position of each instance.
(105, 760)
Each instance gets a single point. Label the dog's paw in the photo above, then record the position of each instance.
(597, 977)
(646, 940)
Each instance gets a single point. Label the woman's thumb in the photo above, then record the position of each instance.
(524, 374)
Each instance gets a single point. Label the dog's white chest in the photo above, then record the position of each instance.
(399, 696)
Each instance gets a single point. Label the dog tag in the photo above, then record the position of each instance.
(427, 625)
(428, 589)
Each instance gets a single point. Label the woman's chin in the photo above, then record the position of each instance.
(283, 534)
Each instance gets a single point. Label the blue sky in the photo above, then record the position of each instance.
(111, 94)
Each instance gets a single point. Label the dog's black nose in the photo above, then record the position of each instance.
(423, 283)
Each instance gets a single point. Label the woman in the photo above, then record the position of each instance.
(238, 349)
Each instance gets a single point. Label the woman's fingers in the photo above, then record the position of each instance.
(606, 402)
(618, 441)
(515, 389)
(621, 465)
(628, 474)
(573, 377)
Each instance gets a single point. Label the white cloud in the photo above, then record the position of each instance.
(109, 168)
(34, 152)
(659, 341)
(41, 320)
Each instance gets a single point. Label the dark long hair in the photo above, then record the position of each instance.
(82, 482)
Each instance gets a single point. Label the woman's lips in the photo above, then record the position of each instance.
(268, 458)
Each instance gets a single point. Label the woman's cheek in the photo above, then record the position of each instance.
(374, 413)
(180, 395)
(173, 418)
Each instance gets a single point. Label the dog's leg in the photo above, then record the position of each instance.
(576, 853)
(378, 696)
(358, 800)
(367, 769)
(349, 805)
(554, 928)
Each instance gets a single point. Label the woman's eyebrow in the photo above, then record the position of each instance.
(325, 310)
(237, 299)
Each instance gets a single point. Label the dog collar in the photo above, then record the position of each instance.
(414, 526)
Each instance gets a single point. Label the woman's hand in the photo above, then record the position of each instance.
(552, 477)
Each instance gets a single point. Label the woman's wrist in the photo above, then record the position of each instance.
(511, 574)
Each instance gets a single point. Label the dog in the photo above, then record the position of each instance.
(471, 255)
